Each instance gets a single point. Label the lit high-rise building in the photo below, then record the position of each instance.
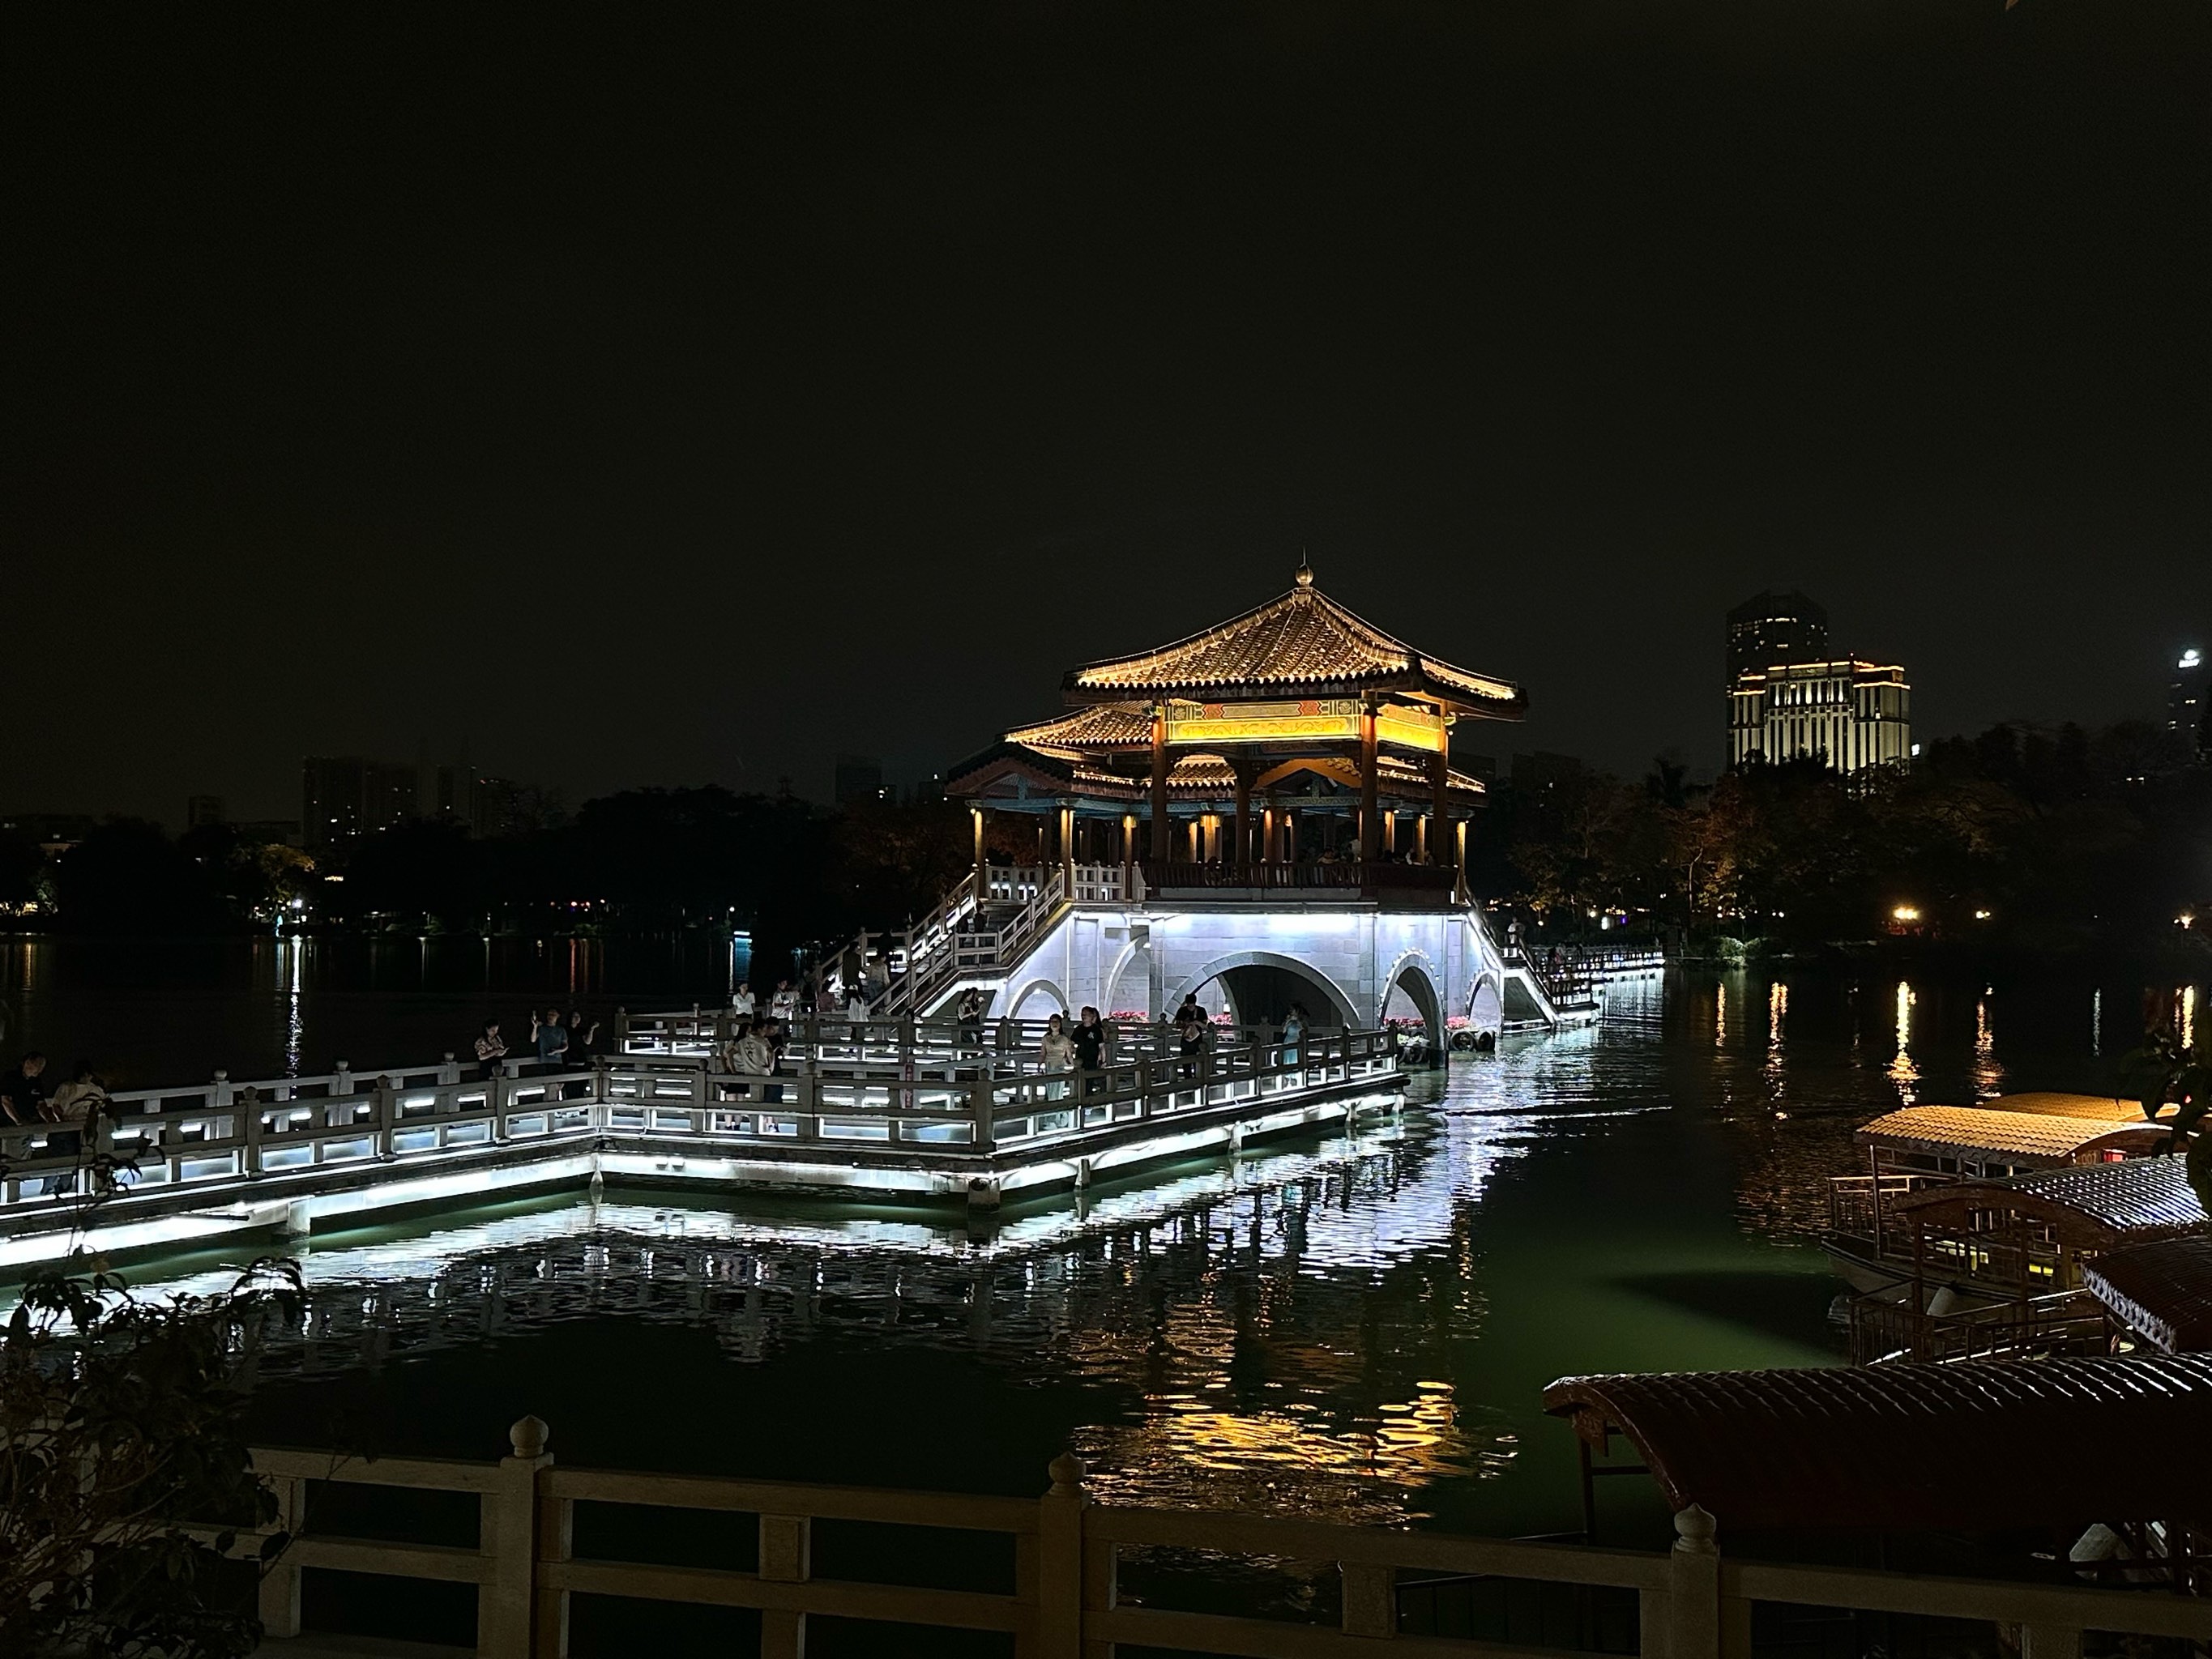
(1771, 628)
(1790, 697)
(2189, 703)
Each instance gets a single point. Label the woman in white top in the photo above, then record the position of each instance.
(1057, 1052)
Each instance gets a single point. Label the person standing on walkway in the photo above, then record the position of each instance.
(550, 1036)
(741, 1009)
(491, 1049)
(1192, 1030)
(969, 1012)
(583, 1037)
(784, 1005)
(1089, 1049)
(1294, 1033)
(1056, 1053)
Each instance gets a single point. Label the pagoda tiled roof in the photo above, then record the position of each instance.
(1103, 726)
(1050, 758)
(1303, 644)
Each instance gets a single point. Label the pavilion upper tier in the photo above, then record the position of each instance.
(1298, 701)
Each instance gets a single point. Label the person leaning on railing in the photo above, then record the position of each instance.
(73, 1104)
(22, 1095)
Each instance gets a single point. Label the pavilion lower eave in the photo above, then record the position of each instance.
(1010, 771)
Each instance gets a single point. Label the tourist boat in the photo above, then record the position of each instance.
(2158, 1295)
(1919, 1148)
(1996, 1267)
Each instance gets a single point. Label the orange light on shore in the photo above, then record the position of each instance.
(1906, 912)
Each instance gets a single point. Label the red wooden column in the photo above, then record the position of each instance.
(1370, 819)
(1243, 855)
(1160, 847)
(1440, 808)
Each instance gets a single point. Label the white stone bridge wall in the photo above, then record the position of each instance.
(1350, 955)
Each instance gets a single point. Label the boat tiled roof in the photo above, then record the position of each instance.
(1981, 1445)
(2163, 1289)
(2103, 1204)
(1303, 643)
(2017, 1135)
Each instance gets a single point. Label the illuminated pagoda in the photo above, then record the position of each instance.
(1291, 741)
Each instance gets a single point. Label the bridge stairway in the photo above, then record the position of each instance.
(967, 939)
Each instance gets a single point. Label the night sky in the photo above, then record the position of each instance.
(645, 395)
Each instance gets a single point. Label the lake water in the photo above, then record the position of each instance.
(1353, 1328)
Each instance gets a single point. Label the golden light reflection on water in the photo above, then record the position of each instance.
(2188, 1016)
(1989, 1071)
(1778, 1013)
(1902, 1072)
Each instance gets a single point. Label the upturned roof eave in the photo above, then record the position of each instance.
(1075, 694)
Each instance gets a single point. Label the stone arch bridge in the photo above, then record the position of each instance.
(1352, 956)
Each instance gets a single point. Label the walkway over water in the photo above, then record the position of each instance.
(893, 1107)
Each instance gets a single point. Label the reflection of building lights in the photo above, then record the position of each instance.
(1905, 913)
(2190, 658)
(1981, 915)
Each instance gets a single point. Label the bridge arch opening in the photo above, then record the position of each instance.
(1486, 1010)
(1257, 988)
(1039, 999)
(1129, 988)
(1412, 996)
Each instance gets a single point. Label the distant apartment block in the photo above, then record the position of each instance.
(345, 797)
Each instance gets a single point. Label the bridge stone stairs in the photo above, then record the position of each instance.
(965, 940)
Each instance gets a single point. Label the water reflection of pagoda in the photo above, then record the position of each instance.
(1294, 734)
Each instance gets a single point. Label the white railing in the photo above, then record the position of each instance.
(159, 1140)
(1065, 1553)
(954, 1093)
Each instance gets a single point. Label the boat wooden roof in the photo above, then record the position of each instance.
(2020, 1137)
(2097, 1206)
(2163, 1289)
(1302, 644)
(2045, 1103)
(1981, 1445)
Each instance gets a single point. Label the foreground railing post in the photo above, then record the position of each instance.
(1370, 1598)
(2048, 1642)
(1693, 1589)
(507, 1532)
(1060, 1587)
(280, 1585)
(787, 1557)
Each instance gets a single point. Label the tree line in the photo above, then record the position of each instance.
(2046, 840)
(643, 859)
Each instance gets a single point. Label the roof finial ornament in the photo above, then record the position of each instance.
(1304, 576)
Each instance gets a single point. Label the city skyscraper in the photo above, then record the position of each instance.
(1770, 628)
(2188, 707)
(1791, 697)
